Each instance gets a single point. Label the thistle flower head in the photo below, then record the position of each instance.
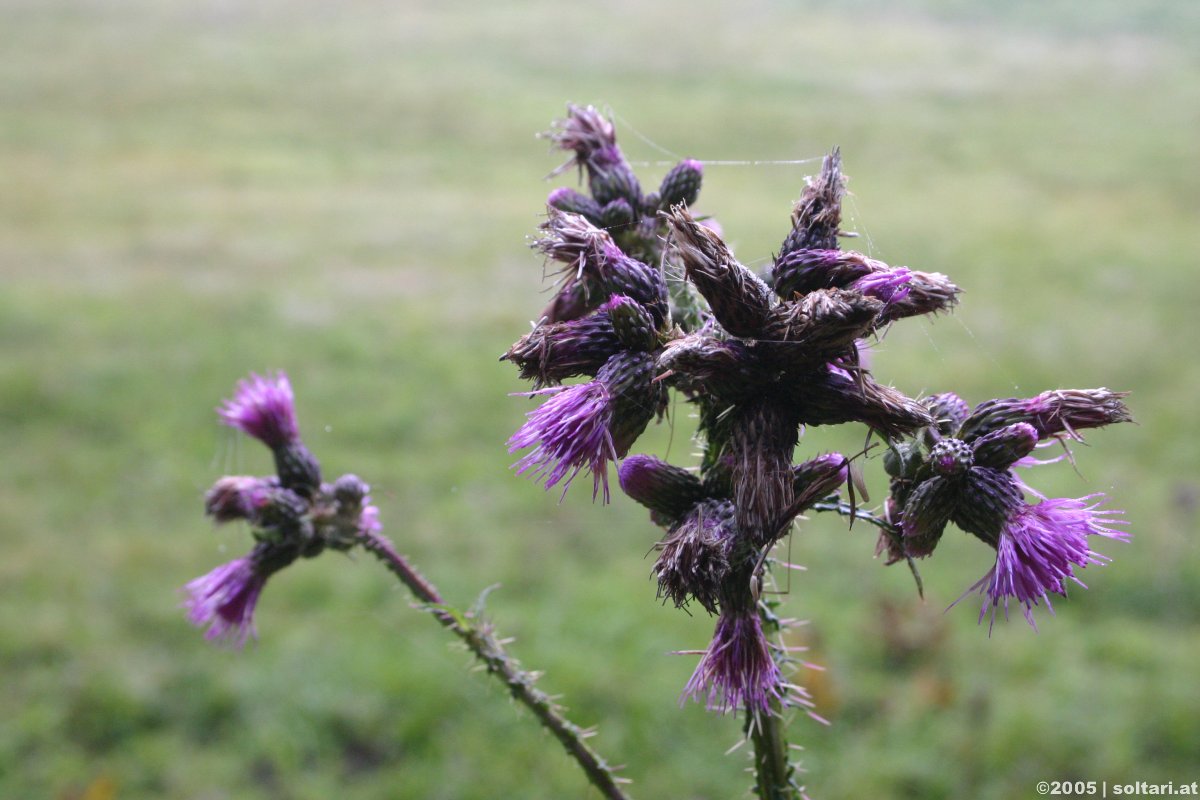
(224, 600)
(1039, 550)
(585, 132)
(570, 432)
(263, 407)
(694, 558)
(817, 215)
(668, 491)
(1062, 411)
(237, 497)
(737, 671)
(553, 352)
(681, 186)
(595, 269)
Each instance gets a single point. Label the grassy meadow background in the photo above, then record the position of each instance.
(195, 190)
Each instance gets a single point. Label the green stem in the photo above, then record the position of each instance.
(482, 641)
(772, 768)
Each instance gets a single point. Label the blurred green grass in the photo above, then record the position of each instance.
(193, 191)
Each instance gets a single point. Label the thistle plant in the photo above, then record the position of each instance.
(293, 514)
(650, 300)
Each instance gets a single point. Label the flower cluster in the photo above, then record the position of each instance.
(761, 357)
(292, 514)
(960, 470)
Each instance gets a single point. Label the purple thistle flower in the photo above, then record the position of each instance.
(1039, 549)
(570, 432)
(224, 600)
(737, 670)
(263, 407)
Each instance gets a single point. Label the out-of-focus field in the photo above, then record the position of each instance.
(194, 190)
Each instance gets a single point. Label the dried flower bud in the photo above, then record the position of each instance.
(702, 364)
(668, 491)
(740, 301)
(833, 396)
(1003, 448)
(1051, 413)
(570, 201)
(596, 269)
(585, 132)
(818, 326)
(551, 353)
(681, 186)
(818, 213)
(694, 558)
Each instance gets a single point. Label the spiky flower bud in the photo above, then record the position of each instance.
(806, 270)
(819, 326)
(570, 201)
(926, 513)
(951, 458)
(1002, 448)
(617, 214)
(282, 516)
(297, 468)
(681, 186)
(819, 477)
(948, 410)
(612, 179)
(988, 497)
(833, 396)
(903, 459)
(740, 301)
(349, 490)
(668, 491)
(1051, 413)
(632, 324)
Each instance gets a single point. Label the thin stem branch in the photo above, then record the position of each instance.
(482, 641)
